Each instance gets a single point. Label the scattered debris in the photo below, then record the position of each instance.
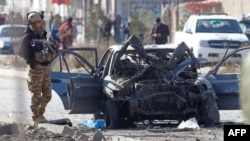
(94, 124)
(190, 124)
(98, 136)
(9, 129)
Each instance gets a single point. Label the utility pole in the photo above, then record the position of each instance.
(173, 16)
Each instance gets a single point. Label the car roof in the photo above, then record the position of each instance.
(213, 16)
(146, 47)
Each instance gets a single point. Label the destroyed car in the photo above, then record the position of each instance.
(132, 83)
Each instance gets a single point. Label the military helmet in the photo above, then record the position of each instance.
(33, 17)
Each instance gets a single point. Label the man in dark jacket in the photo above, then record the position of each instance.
(160, 32)
(37, 54)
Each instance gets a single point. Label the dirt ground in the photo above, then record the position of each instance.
(158, 132)
(20, 132)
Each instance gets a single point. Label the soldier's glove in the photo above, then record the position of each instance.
(32, 64)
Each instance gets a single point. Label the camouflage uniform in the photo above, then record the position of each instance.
(40, 86)
(38, 54)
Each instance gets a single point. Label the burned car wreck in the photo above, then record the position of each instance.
(132, 83)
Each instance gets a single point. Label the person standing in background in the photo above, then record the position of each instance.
(51, 19)
(66, 33)
(56, 23)
(79, 29)
(122, 29)
(160, 32)
(117, 24)
(2, 19)
(106, 28)
(127, 31)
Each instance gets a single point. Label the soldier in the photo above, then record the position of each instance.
(36, 51)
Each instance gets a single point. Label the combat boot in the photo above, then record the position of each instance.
(40, 119)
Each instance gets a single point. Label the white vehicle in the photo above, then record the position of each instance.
(211, 34)
(10, 35)
(245, 24)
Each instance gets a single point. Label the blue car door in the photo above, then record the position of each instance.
(226, 85)
(73, 79)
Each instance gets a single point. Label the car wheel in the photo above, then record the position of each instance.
(111, 115)
(208, 112)
(128, 123)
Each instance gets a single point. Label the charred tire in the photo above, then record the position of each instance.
(125, 118)
(208, 112)
(111, 115)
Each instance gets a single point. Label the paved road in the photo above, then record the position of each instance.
(15, 100)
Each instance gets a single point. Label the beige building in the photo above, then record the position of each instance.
(236, 8)
(112, 7)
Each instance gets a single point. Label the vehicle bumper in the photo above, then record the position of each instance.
(6, 50)
(215, 55)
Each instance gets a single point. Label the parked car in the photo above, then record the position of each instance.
(246, 27)
(213, 34)
(133, 83)
(10, 35)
